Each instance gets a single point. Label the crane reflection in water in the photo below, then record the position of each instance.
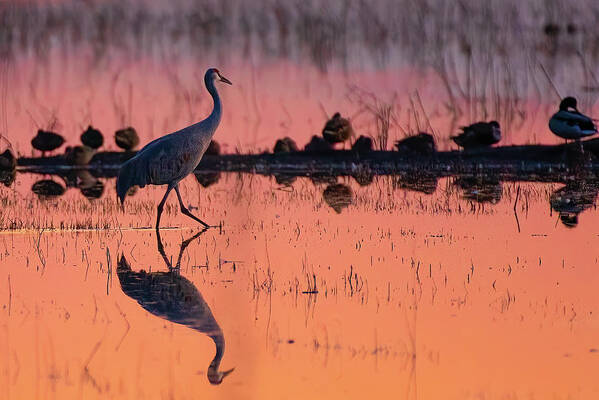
(171, 296)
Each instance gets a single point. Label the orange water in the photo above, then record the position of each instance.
(447, 299)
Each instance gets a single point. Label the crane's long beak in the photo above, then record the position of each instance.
(225, 373)
(223, 79)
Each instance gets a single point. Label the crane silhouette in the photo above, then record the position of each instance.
(169, 159)
(171, 296)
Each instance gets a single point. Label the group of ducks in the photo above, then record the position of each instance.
(91, 139)
(336, 130)
(567, 123)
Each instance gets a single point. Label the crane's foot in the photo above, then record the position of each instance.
(185, 211)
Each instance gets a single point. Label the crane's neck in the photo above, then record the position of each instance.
(214, 117)
(219, 342)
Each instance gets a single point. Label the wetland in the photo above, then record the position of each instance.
(336, 274)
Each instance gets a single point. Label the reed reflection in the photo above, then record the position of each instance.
(572, 199)
(173, 297)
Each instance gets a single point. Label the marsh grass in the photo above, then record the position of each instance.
(467, 52)
(381, 114)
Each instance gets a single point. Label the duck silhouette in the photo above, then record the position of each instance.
(92, 138)
(126, 138)
(337, 129)
(173, 297)
(47, 189)
(481, 189)
(478, 135)
(46, 141)
(338, 196)
(423, 182)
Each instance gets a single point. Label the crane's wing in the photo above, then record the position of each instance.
(160, 162)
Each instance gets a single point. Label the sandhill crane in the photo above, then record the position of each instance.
(169, 159)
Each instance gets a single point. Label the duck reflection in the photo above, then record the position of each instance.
(90, 186)
(47, 188)
(285, 179)
(171, 296)
(363, 177)
(7, 177)
(419, 182)
(323, 179)
(572, 199)
(207, 178)
(338, 196)
(482, 189)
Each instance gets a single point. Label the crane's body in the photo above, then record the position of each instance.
(169, 159)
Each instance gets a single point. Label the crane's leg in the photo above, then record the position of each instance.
(184, 209)
(161, 206)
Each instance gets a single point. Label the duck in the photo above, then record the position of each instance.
(126, 138)
(479, 134)
(8, 162)
(318, 145)
(337, 129)
(79, 155)
(285, 145)
(569, 123)
(363, 144)
(92, 138)
(46, 141)
(213, 148)
(422, 143)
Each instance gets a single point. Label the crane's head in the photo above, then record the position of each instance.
(215, 377)
(214, 75)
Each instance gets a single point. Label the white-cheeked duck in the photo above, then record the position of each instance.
(569, 123)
